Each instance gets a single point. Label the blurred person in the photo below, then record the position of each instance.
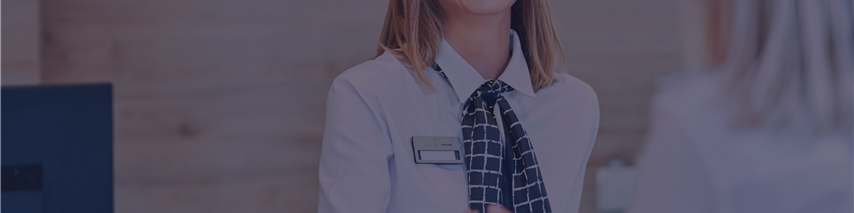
(486, 74)
(769, 127)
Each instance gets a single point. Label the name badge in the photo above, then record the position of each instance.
(437, 150)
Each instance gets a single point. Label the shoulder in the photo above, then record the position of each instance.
(688, 91)
(571, 88)
(576, 101)
(380, 71)
(691, 104)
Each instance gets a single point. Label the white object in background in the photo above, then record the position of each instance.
(614, 186)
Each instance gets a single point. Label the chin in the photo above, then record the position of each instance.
(486, 7)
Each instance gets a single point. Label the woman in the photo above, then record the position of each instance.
(481, 76)
(767, 130)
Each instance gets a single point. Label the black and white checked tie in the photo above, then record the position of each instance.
(489, 181)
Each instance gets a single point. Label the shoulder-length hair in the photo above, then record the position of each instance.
(784, 58)
(413, 32)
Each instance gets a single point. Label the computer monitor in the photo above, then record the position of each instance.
(57, 148)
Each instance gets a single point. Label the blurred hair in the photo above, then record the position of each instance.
(785, 58)
(413, 31)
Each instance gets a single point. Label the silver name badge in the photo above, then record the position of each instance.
(439, 150)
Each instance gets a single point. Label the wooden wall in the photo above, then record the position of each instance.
(220, 104)
(21, 48)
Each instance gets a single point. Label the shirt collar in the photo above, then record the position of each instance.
(465, 79)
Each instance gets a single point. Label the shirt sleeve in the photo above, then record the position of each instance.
(671, 174)
(354, 162)
(578, 186)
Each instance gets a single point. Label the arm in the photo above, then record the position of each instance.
(354, 169)
(578, 187)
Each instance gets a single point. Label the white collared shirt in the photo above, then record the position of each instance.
(375, 108)
(695, 161)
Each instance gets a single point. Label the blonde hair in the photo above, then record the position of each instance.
(784, 58)
(413, 32)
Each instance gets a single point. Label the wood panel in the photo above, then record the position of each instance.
(21, 42)
(219, 104)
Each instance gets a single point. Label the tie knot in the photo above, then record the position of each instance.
(491, 90)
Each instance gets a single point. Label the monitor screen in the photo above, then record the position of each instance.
(57, 148)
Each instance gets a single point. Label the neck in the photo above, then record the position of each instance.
(482, 40)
